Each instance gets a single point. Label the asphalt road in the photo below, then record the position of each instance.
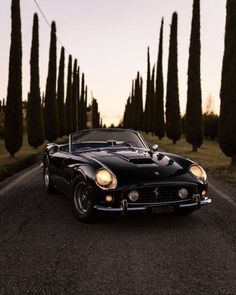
(44, 250)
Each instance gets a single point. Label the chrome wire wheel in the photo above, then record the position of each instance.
(81, 198)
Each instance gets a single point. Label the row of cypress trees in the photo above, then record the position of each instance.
(152, 118)
(50, 117)
(193, 120)
(156, 120)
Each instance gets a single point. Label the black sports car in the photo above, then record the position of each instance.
(117, 170)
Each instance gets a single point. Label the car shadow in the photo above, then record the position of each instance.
(133, 221)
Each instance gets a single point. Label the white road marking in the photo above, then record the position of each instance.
(222, 195)
(18, 180)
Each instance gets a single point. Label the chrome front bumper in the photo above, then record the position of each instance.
(125, 206)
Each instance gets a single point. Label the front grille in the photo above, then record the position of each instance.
(159, 194)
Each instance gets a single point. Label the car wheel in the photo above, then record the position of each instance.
(47, 180)
(81, 202)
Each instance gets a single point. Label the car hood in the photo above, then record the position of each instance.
(140, 167)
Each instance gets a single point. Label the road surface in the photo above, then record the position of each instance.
(44, 250)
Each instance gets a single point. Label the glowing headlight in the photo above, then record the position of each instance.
(198, 172)
(105, 179)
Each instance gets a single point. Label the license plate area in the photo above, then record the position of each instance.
(166, 209)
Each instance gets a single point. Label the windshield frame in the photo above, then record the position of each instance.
(142, 140)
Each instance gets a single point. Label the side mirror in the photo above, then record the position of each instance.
(53, 149)
(155, 147)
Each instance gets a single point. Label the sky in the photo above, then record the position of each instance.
(110, 39)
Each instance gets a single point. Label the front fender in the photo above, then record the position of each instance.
(184, 162)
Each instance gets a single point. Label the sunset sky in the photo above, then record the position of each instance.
(110, 39)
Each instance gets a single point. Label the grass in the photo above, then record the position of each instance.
(26, 156)
(209, 156)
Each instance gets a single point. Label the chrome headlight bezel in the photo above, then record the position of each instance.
(198, 172)
(104, 183)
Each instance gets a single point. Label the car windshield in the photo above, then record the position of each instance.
(104, 138)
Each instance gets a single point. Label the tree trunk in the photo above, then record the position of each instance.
(233, 161)
(194, 148)
(174, 141)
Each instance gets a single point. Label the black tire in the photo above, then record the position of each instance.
(49, 187)
(82, 204)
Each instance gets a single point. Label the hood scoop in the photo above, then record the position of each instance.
(135, 157)
(141, 161)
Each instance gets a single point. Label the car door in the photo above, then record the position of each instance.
(56, 165)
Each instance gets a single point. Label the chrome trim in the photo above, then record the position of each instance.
(206, 201)
(124, 205)
(102, 208)
(142, 139)
(160, 203)
(70, 144)
(199, 203)
(120, 209)
(188, 205)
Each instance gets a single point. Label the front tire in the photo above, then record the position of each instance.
(49, 187)
(81, 201)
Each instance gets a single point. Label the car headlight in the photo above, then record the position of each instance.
(198, 172)
(105, 179)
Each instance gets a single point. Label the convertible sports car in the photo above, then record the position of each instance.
(117, 170)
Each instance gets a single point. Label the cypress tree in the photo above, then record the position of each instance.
(60, 95)
(193, 128)
(74, 98)
(34, 114)
(4, 105)
(85, 109)
(78, 97)
(126, 114)
(13, 122)
(69, 97)
(133, 107)
(82, 99)
(159, 122)
(50, 110)
(151, 105)
(227, 124)
(173, 118)
(140, 105)
(94, 113)
(148, 93)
